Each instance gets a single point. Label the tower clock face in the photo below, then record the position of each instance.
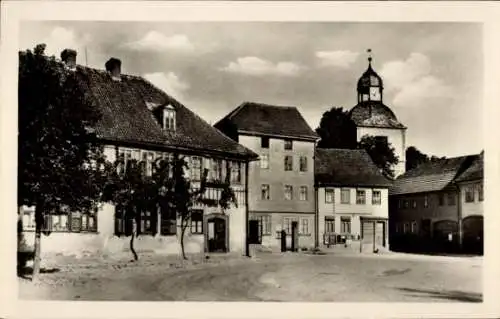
(374, 94)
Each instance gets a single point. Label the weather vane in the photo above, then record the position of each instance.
(369, 51)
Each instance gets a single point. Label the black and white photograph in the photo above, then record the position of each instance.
(253, 160)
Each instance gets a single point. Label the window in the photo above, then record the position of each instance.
(376, 197)
(169, 118)
(61, 220)
(288, 192)
(240, 197)
(288, 144)
(414, 227)
(414, 203)
(168, 221)
(215, 173)
(469, 194)
(146, 225)
(125, 155)
(345, 196)
(329, 224)
(360, 197)
(265, 192)
(405, 227)
(441, 199)
(148, 158)
(303, 193)
(195, 168)
(398, 227)
(304, 227)
(303, 164)
(329, 195)
(426, 201)
(265, 225)
(197, 221)
(451, 199)
(264, 142)
(400, 203)
(29, 219)
(481, 192)
(381, 139)
(235, 172)
(288, 163)
(264, 161)
(406, 203)
(345, 225)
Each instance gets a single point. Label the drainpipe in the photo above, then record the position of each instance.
(459, 216)
(316, 216)
(247, 246)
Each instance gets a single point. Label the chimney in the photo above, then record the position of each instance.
(113, 66)
(68, 56)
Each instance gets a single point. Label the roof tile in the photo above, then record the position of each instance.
(345, 167)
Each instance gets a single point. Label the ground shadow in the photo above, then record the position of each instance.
(444, 294)
(27, 272)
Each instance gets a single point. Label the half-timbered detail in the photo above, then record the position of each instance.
(142, 123)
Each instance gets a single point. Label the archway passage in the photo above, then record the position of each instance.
(472, 227)
(445, 236)
(217, 234)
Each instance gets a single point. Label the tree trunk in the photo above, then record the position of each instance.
(38, 241)
(183, 231)
(132, 236)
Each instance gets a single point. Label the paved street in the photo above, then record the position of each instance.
(273, 277)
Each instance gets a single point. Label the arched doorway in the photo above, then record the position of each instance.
(217, 235)
(472, 227)
(445, 235)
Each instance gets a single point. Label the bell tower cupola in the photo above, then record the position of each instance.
(370, 84)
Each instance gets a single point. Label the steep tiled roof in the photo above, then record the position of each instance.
(267, 119)
(374, 114)
(474, 172)
(432, 176)
(344, 167)
(126, 117)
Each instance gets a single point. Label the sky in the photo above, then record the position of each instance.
(432, 72)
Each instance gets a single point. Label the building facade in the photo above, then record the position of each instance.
(281, 184)
(352, 200)
(141, 122)
(430, 206)
(372, 117)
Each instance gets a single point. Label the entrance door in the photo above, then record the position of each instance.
(379, 234)
(295, 236)
(217, 235)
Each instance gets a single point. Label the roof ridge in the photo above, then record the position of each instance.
(249, 103)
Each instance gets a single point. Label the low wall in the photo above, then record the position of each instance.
(88, 243)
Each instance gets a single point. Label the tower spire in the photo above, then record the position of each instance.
(369, 51)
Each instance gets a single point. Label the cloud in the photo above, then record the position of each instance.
(168, 82)
(412, 81)
(158, 42)
(62, 38)
(258, 67)
(341, 59)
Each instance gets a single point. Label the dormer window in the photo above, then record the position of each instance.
(169, 118)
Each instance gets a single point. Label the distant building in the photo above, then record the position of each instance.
(471, 189)
(373, 117)
(141, 122)
(281, 185)
(352, 199)
(438, 206)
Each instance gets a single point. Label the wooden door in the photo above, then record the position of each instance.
(295, 236)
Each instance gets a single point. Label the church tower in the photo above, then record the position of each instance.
(373, 117)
